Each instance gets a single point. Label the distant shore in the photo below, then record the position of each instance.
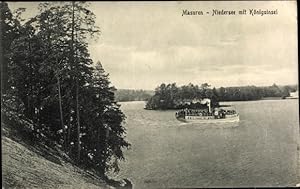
(266, 98)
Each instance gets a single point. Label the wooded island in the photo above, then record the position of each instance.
(170, 96)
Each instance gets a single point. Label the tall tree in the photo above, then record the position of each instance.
(77, 23)
(103, 134)
(9, 30)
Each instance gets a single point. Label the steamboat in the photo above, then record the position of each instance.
(217, 115)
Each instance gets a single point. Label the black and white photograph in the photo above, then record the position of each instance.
(149, 95)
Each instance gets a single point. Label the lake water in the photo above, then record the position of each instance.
(260, 150)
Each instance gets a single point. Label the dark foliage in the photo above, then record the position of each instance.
(53, 89)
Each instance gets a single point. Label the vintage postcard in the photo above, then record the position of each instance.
(179, 94)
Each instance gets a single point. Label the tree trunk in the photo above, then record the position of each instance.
(3, 64)
(61, 114)
(77, 85)
(78, 120)
(30, 95)
(69, 132)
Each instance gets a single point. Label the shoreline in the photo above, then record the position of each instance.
(222, 103)
(266, 98)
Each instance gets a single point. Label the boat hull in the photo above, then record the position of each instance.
(199, 119)
(296, 97)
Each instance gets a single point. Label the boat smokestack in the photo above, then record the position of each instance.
(208, 102)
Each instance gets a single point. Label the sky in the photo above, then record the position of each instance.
(144, 44)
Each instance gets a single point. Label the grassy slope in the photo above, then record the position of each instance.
(36, 166)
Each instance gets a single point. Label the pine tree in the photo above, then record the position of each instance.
(103, 138)
(53, 75)
(65, 27)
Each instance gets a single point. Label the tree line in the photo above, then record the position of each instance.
(50, 84)
(123, 95)
(170, 96)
